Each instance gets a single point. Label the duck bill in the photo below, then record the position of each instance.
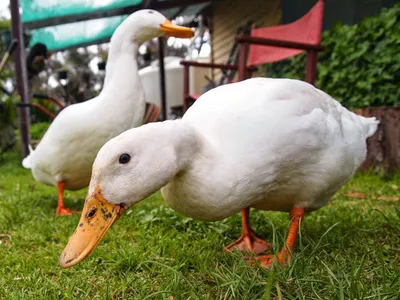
(97, 217)
(177, 31)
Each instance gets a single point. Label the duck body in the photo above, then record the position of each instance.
(271, 144)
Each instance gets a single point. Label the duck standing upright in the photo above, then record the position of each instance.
(65, 155)
(270, 144)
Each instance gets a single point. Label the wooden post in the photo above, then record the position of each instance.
(162, 78)
(384, 146)
(185, 87)
(22, 78)
(244, 47)
(311, 66)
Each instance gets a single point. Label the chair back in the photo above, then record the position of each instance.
(305, 30)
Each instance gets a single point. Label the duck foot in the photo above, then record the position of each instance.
(248, 241)
(285, 255)
(267, 261)
(61, 209)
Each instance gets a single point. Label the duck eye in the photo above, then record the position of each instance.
(150, 12)
(124, 158)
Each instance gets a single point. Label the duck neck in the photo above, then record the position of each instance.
(188, 143)
(185, 139)
(179, 142)
(122, 69)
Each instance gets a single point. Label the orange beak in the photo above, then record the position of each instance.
(97, 217)
(176, 31)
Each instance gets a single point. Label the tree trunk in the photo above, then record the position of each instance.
(384, 145)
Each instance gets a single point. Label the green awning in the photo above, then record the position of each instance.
(34, 10)
(62, 24)
(73, 34)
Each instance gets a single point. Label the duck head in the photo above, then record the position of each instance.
(147, 24)
(128, 169)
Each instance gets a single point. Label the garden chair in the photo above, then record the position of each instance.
(152, 113)
(272, 44)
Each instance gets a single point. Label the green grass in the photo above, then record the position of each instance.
(349, 249)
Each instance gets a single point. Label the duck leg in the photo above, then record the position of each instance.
(248, 241)
(285, 255)
(61, 209)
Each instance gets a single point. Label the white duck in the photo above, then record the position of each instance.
(65, 155)
(270, 144)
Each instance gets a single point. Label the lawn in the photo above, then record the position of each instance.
(349, 249)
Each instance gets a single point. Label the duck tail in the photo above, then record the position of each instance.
(370, 125)
(27, 161)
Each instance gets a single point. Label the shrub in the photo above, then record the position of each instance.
(8, 112)
(37, 116)
(38, 130)
(7, 123)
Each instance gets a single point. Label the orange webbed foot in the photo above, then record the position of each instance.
(62, 211)
(267, 261)
(249, 242)
(285, 255)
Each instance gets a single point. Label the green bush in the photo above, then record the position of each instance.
(8, 112)
(7, 123)
(38, 130)
(37, 116)
(360, 66)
